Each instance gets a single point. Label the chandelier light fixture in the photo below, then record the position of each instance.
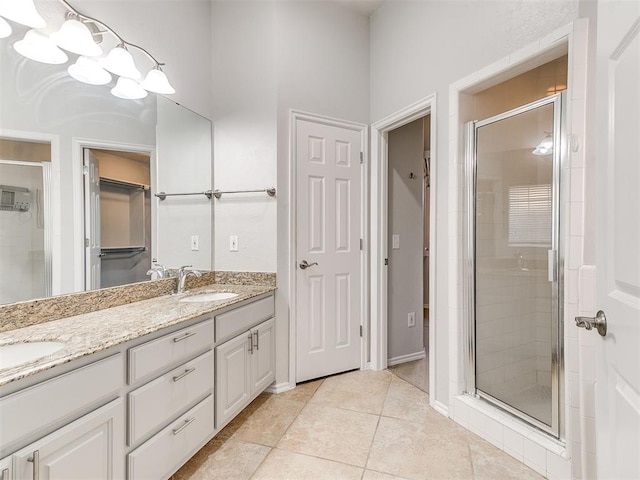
(78, 35)
(5, 28)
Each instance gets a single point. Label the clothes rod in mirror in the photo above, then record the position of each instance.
(217, 193)
(269, 191)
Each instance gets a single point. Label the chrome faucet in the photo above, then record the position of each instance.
(183, 273)
(157, 272)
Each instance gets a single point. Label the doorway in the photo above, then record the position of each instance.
(408, 269)
(381, 241)
(117, 217)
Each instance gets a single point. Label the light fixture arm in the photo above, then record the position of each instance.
(121, 40)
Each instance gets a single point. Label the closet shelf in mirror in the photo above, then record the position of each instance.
(122, 251)
(123, 183)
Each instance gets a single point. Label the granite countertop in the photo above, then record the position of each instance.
(96, 331)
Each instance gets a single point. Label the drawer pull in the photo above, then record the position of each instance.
(186, 423)
(35, 459)
(5, 474)
(184, 374)
(256, 335)
(183, 337)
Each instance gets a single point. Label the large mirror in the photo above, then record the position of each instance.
(80, 170)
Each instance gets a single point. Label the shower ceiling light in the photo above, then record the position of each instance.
(88, 70)
(37, 46)
(545, 147)
(75, 37)
(156, 81)
(5, 28)
(128, 89)
(23, 12)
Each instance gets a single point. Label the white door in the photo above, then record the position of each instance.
(618, 240)
(233, 369)
(263, 358)
(328, 240)
(86, 449)
(91, 220)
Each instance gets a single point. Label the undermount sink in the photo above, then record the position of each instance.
(209, 297)
(18, 353)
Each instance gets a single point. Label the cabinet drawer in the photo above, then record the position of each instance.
(165, 397)
(241, 319)
(156, 355)
(163, 453)
(45, 404)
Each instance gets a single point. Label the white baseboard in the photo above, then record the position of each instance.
(280, 387)
(406, 358)
(441, 408)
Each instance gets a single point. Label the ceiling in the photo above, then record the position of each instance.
(364, 7)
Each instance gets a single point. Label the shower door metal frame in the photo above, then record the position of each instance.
(469, 281)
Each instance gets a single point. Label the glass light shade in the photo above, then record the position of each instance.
(128, 89)
(37, 46)
(120, 62)
(23, 12)
(74, 36)
(5, 28)
(156, 81)
(545, 147)
(88, 70)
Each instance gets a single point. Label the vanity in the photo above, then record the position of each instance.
(137, 389)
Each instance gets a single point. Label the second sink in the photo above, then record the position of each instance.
(209, 297)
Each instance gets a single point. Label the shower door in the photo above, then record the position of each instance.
(513, 170)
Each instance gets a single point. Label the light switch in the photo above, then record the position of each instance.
(395, 242)
(233, 243)
(195, 243)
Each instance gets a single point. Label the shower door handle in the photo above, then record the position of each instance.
(551, 265)
(599, 322)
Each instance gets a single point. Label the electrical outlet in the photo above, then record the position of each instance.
(195, 243)
(233, 243)
(411, 319)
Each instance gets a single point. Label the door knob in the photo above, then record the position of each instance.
(304, 265)
(599, 322)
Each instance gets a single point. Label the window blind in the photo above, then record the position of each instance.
(530, 214)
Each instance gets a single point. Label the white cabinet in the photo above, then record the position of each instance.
(88, 448)
(245, 366)
(263, 360)
(5, 468)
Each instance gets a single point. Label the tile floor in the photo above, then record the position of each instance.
(361, 425)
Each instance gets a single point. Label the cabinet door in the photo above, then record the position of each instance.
(5, 469)
(89, 448)
(263, 356)
(232, 377)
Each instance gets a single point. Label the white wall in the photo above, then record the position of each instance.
(418, 48)
(268, 58)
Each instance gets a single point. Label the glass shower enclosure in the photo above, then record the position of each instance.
(514, 270)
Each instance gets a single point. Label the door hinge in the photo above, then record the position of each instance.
(386, 261)
(361, 157)
(86, 242)
(361, 244)
(360, 330)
